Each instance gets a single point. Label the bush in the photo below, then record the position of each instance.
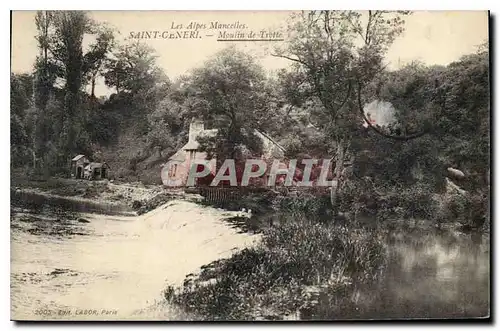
(296, 263)
(316, 206)
(469, 209)
(413, 202)
(389, 202)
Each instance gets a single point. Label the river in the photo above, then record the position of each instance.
(115, 267)
(429, 274)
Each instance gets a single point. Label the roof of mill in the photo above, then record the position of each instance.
(78, 157)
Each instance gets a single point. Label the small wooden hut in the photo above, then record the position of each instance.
(96, 170)
(78, 164)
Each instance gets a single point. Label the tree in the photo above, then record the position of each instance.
(464, 124)
(452, 105)
(66, 48)
(133, 69)
(336, 55)
(230, 93)
(139, 82)
(46, 73)
(165, 125)
(20, 102)
(97, 55)
(46, 70)
(61, 59)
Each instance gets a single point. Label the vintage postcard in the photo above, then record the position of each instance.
(250, 165)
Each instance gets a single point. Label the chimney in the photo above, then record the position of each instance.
(195, 128)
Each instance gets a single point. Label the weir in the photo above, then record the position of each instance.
(121, 264)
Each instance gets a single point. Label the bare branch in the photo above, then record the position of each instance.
(291, 59)
(356, 28)
(328, 32)
(370, 17)
(380, 132)
(348, 94)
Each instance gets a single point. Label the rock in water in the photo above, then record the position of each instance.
(452, 172)
(83, 220)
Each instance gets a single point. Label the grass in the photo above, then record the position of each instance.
(296, 265)
(62, 186)
(308, 266)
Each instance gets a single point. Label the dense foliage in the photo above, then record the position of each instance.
(429, 118)
(313, 107)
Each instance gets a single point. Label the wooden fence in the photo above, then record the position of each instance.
(226, 194)
(220, 194)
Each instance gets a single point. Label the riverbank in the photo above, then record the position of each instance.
(407, 260)
(85, 189)
(304, 270)
(299, 266)
(93, 196)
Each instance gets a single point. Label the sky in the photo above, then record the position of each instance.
(433, 37)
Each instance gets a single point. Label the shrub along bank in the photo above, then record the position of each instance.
(296, 265)
(308, 265)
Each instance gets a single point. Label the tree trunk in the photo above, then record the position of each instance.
(92, 92)
(34, 159)
(337, 181)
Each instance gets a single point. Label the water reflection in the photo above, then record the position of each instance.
(429, 274)
(60, 261)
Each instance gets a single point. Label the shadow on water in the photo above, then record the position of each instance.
(257, 223)
(56, 225)
(44, 202)
(245, 224)
(428, 274)
(57, 216)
